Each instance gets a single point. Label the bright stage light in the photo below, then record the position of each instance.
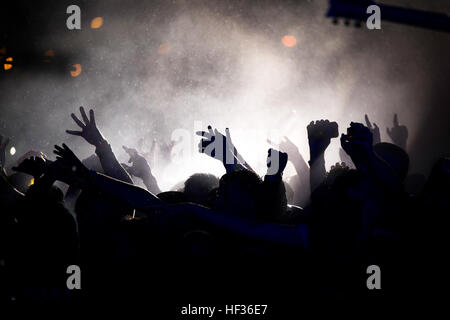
(289, 41)
(77, 71)
(96, 23)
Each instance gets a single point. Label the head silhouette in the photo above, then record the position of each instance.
(198, 187)
(239, 192)
(394, 156)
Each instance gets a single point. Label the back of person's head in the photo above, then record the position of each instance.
(340, 216)
(198, 187)
(394, 156)
(239, 193)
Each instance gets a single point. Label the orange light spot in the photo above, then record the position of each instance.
(49, 53)
(77, 71)
(8, 66)
(96, 23)
(2, 50)
(289, 41)
(164, 48)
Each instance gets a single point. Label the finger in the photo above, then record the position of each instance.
(203, 134)
(228, 135)
(201, 149)
(395, 120)
(58, 148)
(210, 130)
(217, 133)
(77, 121)
(92, 116)
(66, 148)
(74, 133)
(127, 150)
(367, 121)
(58, 153)
(84, 116)
(375, 125)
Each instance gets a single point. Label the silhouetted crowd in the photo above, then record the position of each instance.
(238, 236)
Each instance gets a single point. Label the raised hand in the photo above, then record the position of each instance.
(68, 168)
(357, 142)
(285, 145)
(276, 162)
(319, 136)
(35, 166)
(398, 133)
(215, 145)
(232, 148)
(3, 144)
(139, 167)
(374, 129)
(89, 130)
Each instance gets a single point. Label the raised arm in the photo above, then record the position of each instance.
(92, 135)
(295, 157)
(358, 145)
(398, 133)
(141, 169)
(72, 171)
(273, 189)
(220, 147)
(292, 236)
(373, 129)
(319, 137)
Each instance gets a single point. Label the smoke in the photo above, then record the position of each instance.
(156, 67)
